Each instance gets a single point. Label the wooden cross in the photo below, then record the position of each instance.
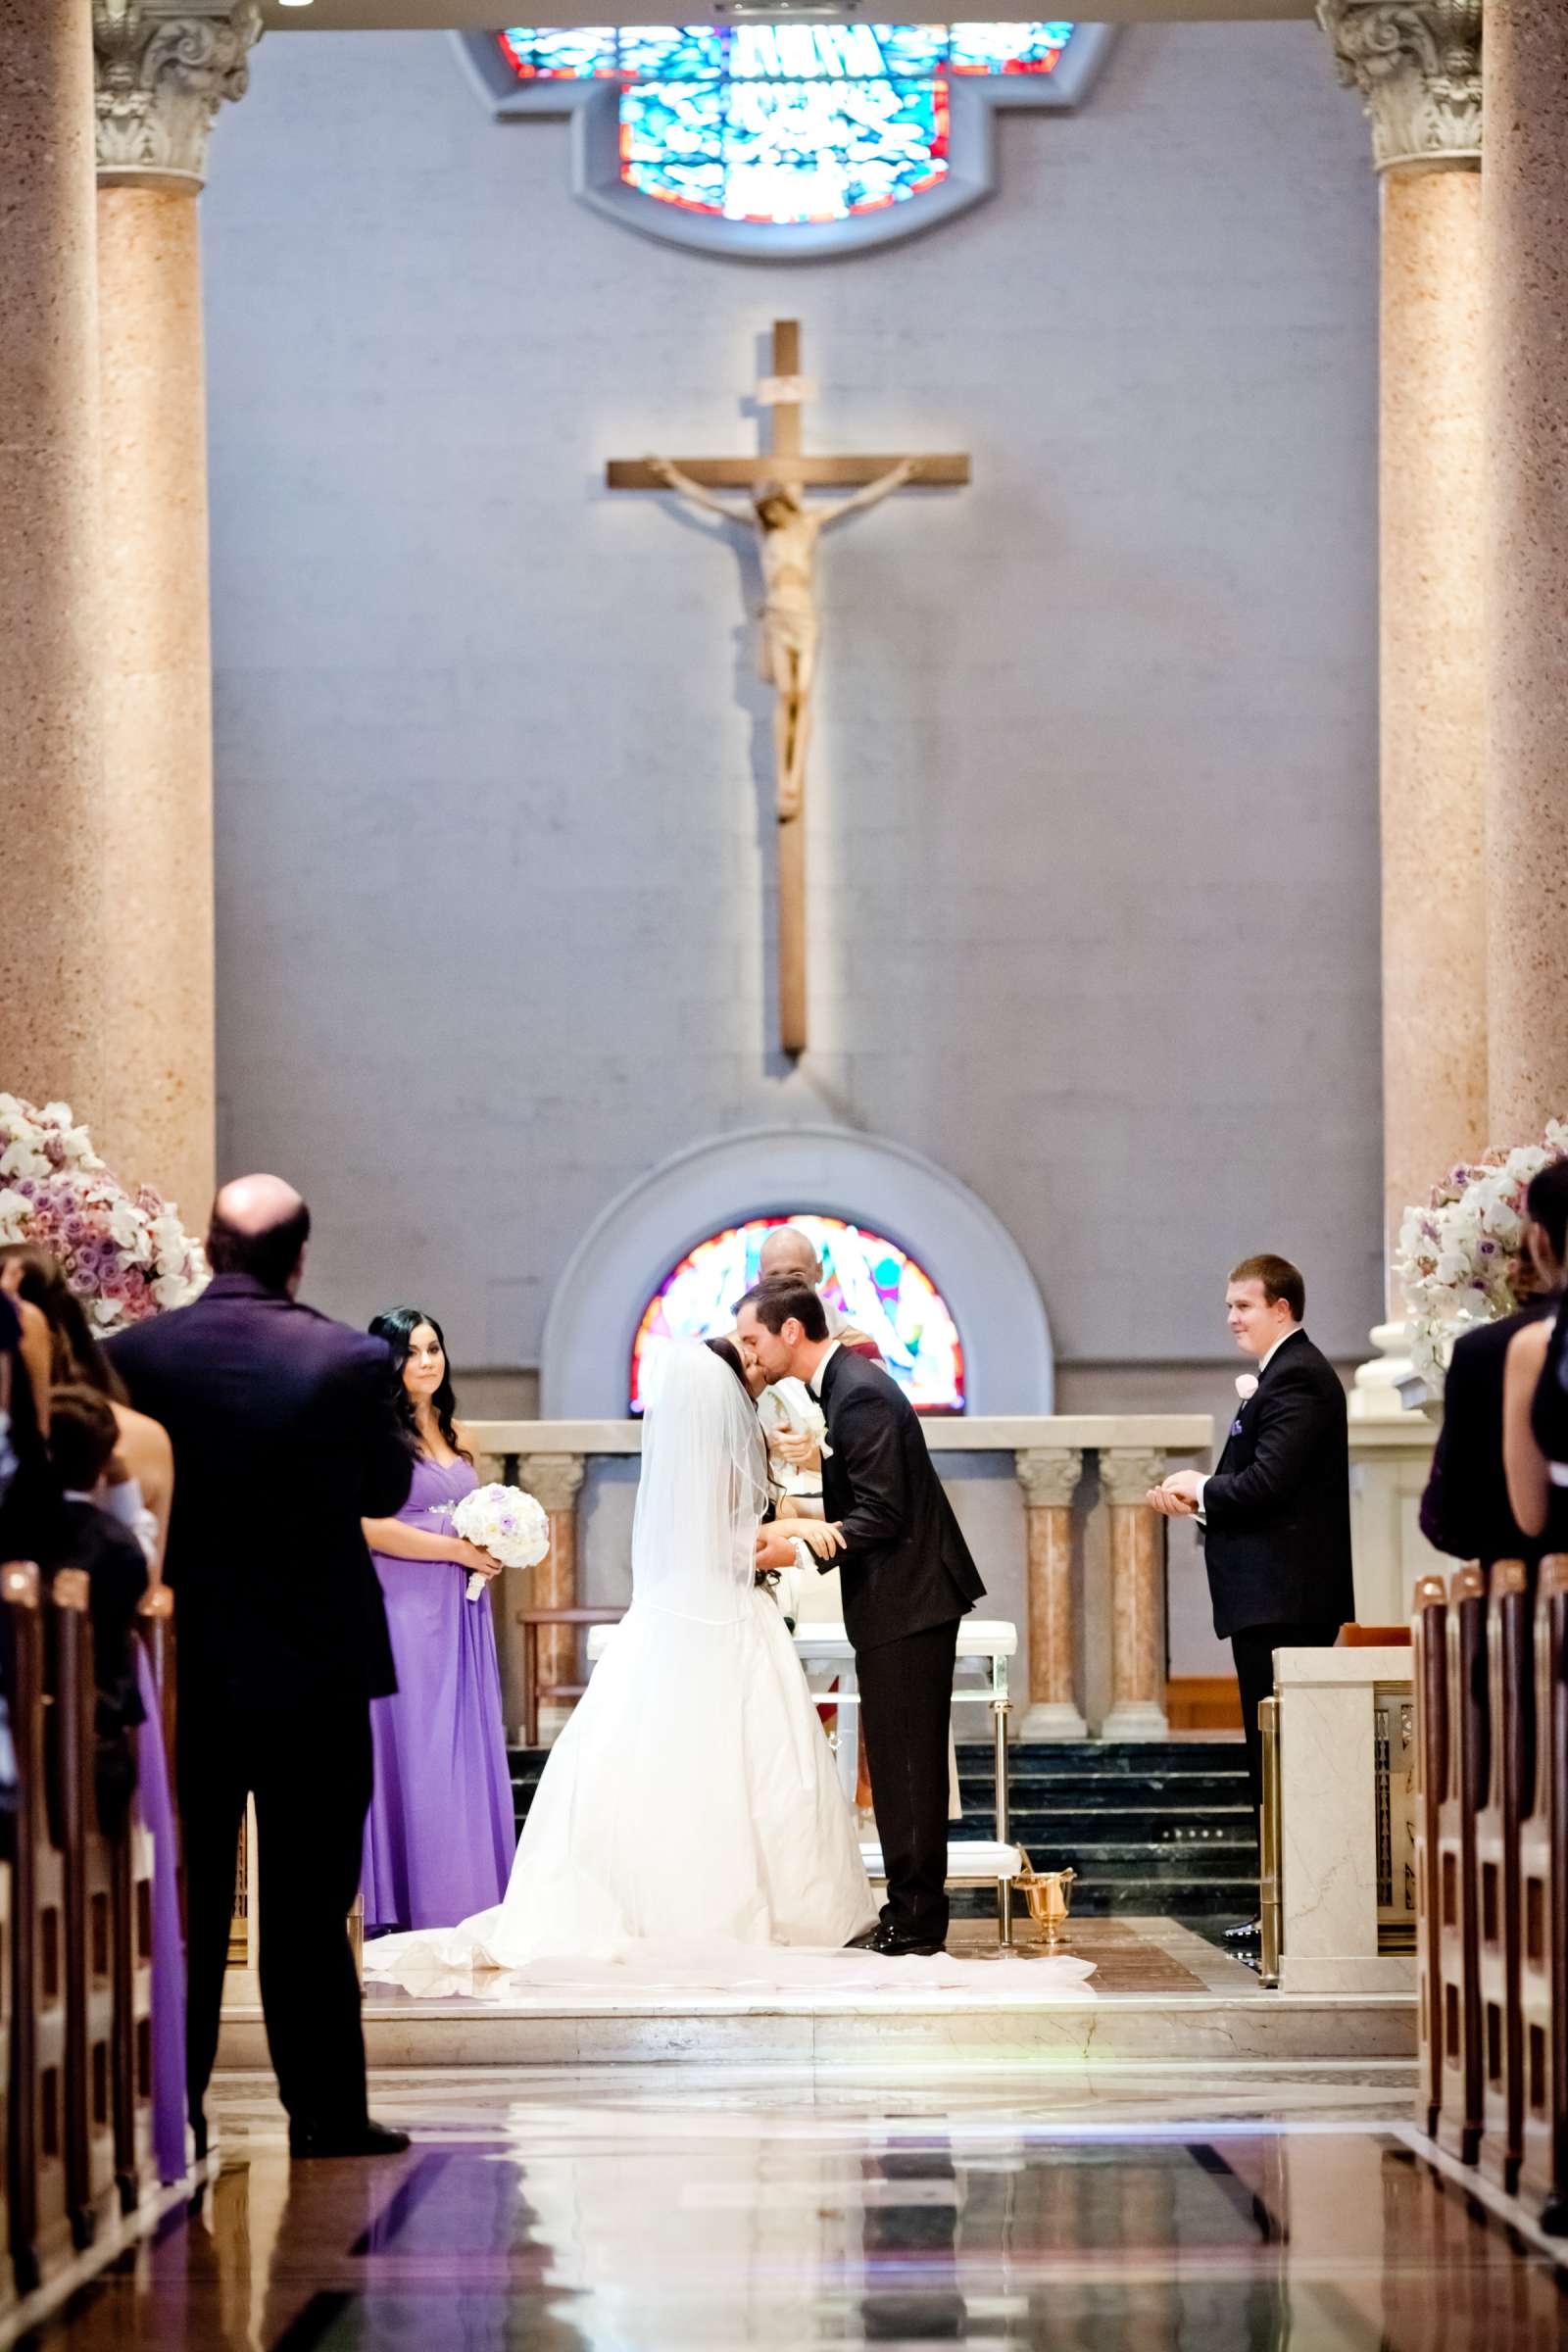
(787, 529)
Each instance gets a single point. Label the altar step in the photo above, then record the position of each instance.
(1148, 1825)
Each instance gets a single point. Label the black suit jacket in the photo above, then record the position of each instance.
(1277, 1544)
(905, 1566)
(286, 1435)
(1465, 1508)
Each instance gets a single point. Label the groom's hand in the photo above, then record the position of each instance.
(774, 1550)
(1177, 1498)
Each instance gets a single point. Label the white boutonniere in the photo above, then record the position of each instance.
(1245, 1385)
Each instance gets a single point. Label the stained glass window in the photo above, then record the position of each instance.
(868, 1281)
(782, 124)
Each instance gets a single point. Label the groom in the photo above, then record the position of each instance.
(908, 1579)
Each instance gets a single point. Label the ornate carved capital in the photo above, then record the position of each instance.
(1417, 64)
(553, 1479)
(165, 67)
(1048, 1474)
(1126, 1477)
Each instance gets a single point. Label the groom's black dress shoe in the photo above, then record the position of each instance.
(894, 1946)
(345, 2139)
(1248, 1933)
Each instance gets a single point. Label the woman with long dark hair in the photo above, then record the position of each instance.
(439, 1838)
(141, 1476)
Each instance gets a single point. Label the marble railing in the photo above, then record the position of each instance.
(1058, 1459)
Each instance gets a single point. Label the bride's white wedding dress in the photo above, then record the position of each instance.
(691, 1802)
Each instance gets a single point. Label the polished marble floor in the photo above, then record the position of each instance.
(684, 2209)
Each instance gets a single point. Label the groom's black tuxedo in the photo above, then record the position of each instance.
(907, 1565)
(906, 1578)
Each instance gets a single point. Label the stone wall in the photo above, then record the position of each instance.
(1094, 844)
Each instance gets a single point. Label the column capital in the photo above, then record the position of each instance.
(1126, 1475)
(1417, 64)
(1049, 1474)
(553, 1479)
(164, 68)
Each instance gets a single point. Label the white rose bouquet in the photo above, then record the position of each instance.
(513, 1527)
(124, 1254)
(1461, 1258)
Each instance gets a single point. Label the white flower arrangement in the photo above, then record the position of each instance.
(1460, 1261)
(125, 1254)
(513, 1527)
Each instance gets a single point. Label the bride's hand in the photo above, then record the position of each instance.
(821, 1536)
(476, 1559)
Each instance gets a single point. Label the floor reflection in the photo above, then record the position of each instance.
(702, 2215)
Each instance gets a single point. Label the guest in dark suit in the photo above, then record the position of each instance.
(908, 1579)
(1275, 1512)
(285, 1437)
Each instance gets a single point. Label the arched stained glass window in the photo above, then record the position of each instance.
(785, 125)
(868, 1281)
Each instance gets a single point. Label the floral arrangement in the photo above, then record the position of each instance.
(1460, 1259)
(127, 1255)
(513, 1527)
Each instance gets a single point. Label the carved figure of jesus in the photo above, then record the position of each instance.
(787, 532)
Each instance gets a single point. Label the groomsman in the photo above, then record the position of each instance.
(1276, 1513)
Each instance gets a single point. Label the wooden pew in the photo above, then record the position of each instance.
(39, 2216)
(1430, 1675)
(89, 2137)
(1511, 1712)
(1459, 2110)
(1543, 1902)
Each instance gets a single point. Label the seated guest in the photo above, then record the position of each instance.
(29, 1490)
(285, 1438)
(1465, 1509)
(81, 1442)
(30, 1526)
(440, 1833)
(1276, 1513)
(1535, 1401)
(141, 1476)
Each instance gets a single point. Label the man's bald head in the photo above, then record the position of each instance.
(786, 1249)
(260, 1226)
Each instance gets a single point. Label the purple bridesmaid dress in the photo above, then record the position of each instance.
(439, 1838)
(168, 1943)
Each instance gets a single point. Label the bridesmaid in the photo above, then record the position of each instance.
(439, 1838)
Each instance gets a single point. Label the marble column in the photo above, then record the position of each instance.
(163, 73)
(54, 879)
(1525, 268)
(1049, 1476)
(1417, 67)
(556, 1479)
(1137, 1597)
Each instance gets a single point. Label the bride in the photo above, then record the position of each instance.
(691, 1798)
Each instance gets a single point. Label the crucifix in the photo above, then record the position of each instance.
(787, 529)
